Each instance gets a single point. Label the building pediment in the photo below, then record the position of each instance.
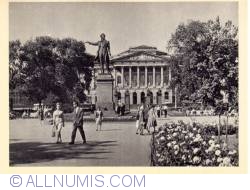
(139, 56)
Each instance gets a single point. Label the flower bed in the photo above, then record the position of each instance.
(180, 144)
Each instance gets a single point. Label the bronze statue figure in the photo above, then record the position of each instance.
(103, 53)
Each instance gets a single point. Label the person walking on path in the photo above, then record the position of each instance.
(165, 108)
(58, 122)
(98, 118)
(41, 114)
(77, 123)
(146, 110)
(151, 119)
(158, 110)
(140, 121)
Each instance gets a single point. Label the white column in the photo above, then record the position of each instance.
(154, 97)
(131, 97)
(153, 76)
(169, 76)
(163, 96)
(138, 97)
(122, 69)
(123, 96)
(130, 76)
(161, 76)
(146, 76)
(138, 77)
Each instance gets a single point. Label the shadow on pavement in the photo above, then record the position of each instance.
(36, 152)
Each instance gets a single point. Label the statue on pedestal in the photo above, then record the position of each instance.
(103, 53)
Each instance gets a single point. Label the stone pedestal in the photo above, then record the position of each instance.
(104, 92)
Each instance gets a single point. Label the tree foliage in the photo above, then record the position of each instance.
(50, 68)
(205, 61)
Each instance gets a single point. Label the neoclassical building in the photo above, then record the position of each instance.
(141, 74)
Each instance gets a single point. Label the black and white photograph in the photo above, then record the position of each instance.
(124, 84)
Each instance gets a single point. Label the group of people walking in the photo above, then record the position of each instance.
(58, 122)
(145, 119)
(161, 111)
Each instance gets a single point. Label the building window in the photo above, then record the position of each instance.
(119, 96)
(134, 76)
(158, 76)
(150, 76)
(126, 77)
(142, 76)
(119, 79)
(166, 95)
(142, 97)
(134, 98)
(165, 75)
(150, 97)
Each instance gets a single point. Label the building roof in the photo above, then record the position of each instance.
(140, 50)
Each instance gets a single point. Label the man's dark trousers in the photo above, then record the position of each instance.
(73, 136)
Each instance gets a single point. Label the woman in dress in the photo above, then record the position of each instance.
(58, 122)
(140, 121)
(99, 118)
(151, 119)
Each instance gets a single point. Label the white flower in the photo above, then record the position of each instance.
(213, 137)
(196, 150)
(211, 142)
(232, 152)
(210, 149)
(175, 134)
(227, 161)
(221, 164)
(217, 146)
(176, 152)
(169, 144)
(173, 142)
(198, 135)
(190, 135)
(217, 152)
(162, 139)
(196, 139)
(161, 159)
(219, 159)
(208, 161)
(196, 160)
(183, 157)
(204, 143)
(194, 129)
(176, 147)
(182, 143)
(186, 137)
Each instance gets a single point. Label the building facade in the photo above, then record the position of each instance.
(141, 75)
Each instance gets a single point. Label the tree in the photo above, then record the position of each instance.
(205, 61)
(52, 68)
(15, 65)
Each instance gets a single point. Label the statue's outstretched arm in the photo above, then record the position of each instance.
(92, 43)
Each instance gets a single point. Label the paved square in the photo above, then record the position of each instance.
(117, 145)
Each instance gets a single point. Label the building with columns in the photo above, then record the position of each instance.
(141, 74)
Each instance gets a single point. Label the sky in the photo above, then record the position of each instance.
(125, 24)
